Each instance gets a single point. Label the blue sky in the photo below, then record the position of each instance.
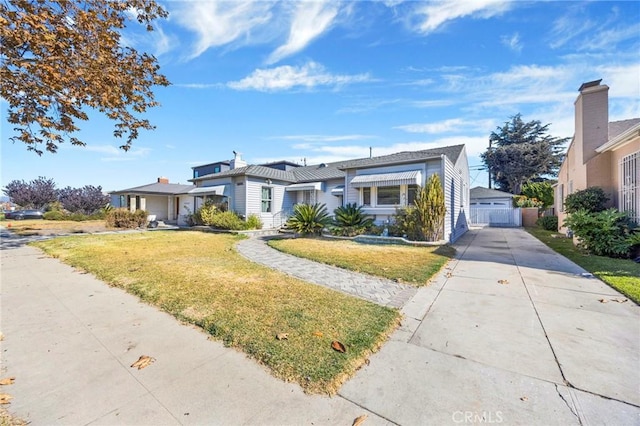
(326, 81)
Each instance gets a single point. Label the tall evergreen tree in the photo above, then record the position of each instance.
(519, 152)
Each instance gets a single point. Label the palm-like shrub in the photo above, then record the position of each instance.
(350, 220)
(309, 219)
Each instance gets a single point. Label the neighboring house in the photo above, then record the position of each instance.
(380, 184)
(170, 202)
(493, 208)
(270, 191)
(602, 153)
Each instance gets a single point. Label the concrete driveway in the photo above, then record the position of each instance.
(510, 333)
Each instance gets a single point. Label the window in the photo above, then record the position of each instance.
(366, 196)
(629, 198)
(196, 173)
(123, 201)
(267, 198)
(308, 197)
(388, 195)
(216, 169)
(412, 193)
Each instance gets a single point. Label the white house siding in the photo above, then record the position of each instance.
(157, 205)
(239, 197)
(331, 201)
(277, 216)
(456, 187)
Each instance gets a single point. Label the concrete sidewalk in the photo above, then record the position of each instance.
(538, 347)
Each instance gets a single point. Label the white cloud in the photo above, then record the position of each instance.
(219, 23)
(310, 20)
(512, 42)
(438, 13)
(447, 126)
(287, 77)
(113, 153)
(322, 138)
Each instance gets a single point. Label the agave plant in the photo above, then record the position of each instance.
(309, 219)
(351, 215)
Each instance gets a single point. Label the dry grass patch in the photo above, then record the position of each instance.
(53, 227)
(414, 265)
(200, 278)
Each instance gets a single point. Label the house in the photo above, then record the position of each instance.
(167, 201)
(379, 184)
(490, 207)
(602, 153)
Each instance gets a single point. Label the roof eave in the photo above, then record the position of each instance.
(620, 140)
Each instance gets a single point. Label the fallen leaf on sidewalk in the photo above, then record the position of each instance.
(603, 300)
(359, 420)
(142, 362)
(524, 398)
(338, 346)
(7, 381)
(503, 281)
(619, 300)
(282, 336)
(1, 336)
(5, 398)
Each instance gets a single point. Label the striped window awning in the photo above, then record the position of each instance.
(412, 177)
(309, 186)
(208, 190)
(338, 190)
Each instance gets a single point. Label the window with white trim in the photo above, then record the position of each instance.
(366, 196)
(412, 194)
(388, 195)
(267, 199)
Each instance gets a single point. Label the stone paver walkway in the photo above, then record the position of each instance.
(378, 290)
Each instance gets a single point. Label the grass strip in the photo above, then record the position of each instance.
(407, 264)
(201, 279)
(621, 274)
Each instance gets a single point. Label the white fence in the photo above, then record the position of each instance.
(492, 216)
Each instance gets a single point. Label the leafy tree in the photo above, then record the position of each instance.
(592, 199)
(309, 219)
(603, 233)
(86, 200)
(36, 194)
(541, 191)
(520, 152)
(59, 57)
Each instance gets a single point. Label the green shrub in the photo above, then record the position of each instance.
(592, 199)
(254, 222)
(123, 218)
(604, 233)
(350, 220)
(309, 219)
(405, 224)
(550, 223)
(226, 220)
(54, 215)
(206, 214)
(542, 192)
(524, 201)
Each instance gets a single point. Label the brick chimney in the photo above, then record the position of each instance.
(163, 179)
(592, 117)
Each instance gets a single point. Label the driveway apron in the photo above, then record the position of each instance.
(511, 333)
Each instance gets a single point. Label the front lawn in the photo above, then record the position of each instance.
(201, 279)
(47, 227)
(408, 264)
(621, 274)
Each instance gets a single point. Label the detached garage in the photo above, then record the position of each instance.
(490, 207)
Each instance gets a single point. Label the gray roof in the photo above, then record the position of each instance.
(619, 127)
(480, 192)
(322, 172)
(156, 188)
(452, 152)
